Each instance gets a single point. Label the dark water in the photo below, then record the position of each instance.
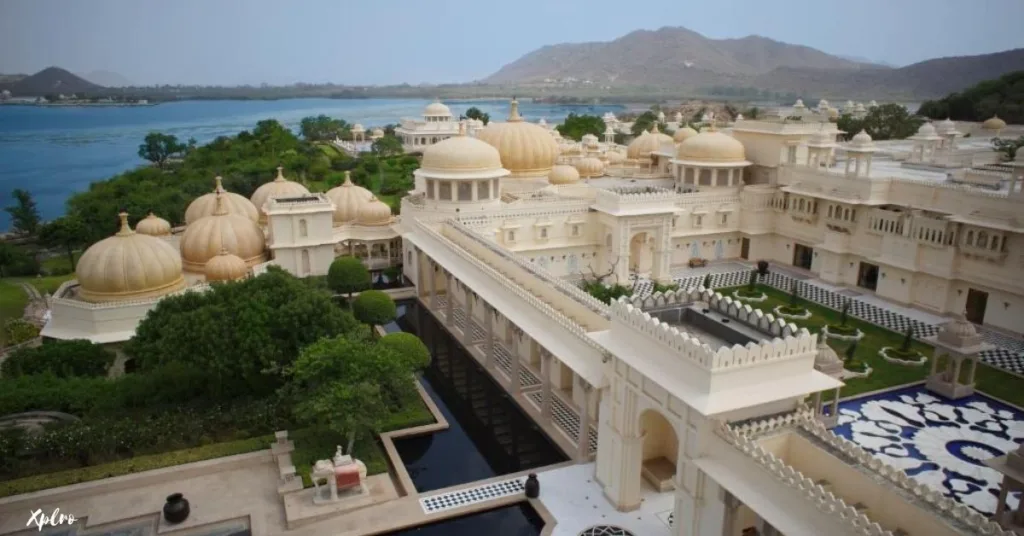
(54, 152)
(518, 520)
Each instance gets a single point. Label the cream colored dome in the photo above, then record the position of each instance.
(279, 187)
(153, 226)
(825, 354)
(947, 126)
(374, 212)
(616, 157)
(358, 128)
(994, 123)
(349, 198)
(927, 130)
(437, 109)
(862, 139)
(833, 113)
(712, 146)
(684, 133)
(204, 239)
(205, 204)
(647, 143)
(526, 149)
(225, 267)
(377, 133)
(960, 327)
(128, 266)
(590, 167)
(462, 154)
(563, 174)
(799, 104)
(589, 140)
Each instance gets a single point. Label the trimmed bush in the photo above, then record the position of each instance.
(842, 329)
(19, 330)
(409, 346)
(63, 359)
(374, 308)
(347, 275)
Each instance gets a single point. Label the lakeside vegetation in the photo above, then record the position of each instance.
(1003, 97)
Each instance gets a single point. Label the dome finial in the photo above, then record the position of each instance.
(654, 129)
(223, 250)
(219, 184)
(348, 178)
(280, 173)
(513, 114)
(125, 230)
(221, 209)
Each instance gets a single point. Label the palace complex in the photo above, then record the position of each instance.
(688, 399)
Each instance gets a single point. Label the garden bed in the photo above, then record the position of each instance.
(848, 333)
(755, 296)
(792, 313)
(858, 370)
(899, 357)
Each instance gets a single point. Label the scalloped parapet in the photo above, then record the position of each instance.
(746, 434)
(783, 346)
(726, 305)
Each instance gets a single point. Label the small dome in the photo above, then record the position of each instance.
(833, 113)
(823, 104)
(616, 157)
(128, 266)
(153, 226)
(739, 117)
(225, 267)
(526, 149)
(947, 126)
(684, 133)
(279, 187)
(873, 104)
(647, 143)
(799, 104)
(374, 212)
(463, 154)
(437, 109)
(348, 198)
(589, 139)
(204, 239)
(862, 139)
(859, 107)
(712, 146)
(563, 174)
(927, 130)
(205, 204)
(826, 360)
(960, 327)
(358, 128)
(590, 167)
(993, 123)
(377, 133)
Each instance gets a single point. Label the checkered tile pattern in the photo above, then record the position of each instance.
(466, 497)
(503, 357)
(566, 418)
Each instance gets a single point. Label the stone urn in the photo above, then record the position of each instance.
(532, 486)
(176, 508)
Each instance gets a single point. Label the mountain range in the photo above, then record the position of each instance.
(49, 81)
(680, 58)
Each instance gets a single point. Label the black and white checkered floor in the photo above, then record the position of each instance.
(457, 499)
(1008, 354)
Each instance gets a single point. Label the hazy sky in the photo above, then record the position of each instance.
(415, 41)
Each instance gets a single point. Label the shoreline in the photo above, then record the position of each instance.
(79, 104)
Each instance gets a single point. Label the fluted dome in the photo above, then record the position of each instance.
(862, 139)
(153, 226)
(589, 140)
(462, 155)
(279, 187)
(437, 109)
(684, 133)
(526, 149)
(926, 132)
(947, 126)
(563, 174)
(993, 123)
(374, 212)
(128, 266)
(349, 198)
(358, 128)
(647, 143)
(616, 157)
(204, 239)
(590, 167)
(205, 204)
(225, 267)
(826, 360)
(712, 146)
(960, 327)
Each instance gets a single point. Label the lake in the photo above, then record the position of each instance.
(55, 152)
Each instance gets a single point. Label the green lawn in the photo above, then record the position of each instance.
(13, 298)
(989, 380)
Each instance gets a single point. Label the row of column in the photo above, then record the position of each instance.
(512, 337)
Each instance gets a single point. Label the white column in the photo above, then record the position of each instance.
(433, 282)
(583, 438)
(489, 327)
(545, 385)
(514, 384)
(467, 332)
(449, 309)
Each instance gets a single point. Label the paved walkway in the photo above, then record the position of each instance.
(1008, 354)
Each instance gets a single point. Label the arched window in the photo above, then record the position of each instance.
(970, 238)
(982, 239)
(303, 228)
(830, 211)
(846, 214)
(995, 243)
(306, 269)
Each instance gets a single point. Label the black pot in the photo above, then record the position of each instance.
(176, 508)
(762, 268)
(532, 486)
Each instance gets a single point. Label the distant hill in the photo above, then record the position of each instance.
(11, 78)
(107, 79)
(1003, 97)
(49, 81)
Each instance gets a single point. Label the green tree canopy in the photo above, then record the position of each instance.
(1003, 96)
(645, 122)
(323, 128)
(475, 113)
(63, 359)
(374, 308)
(242, 335)
(66, 232)
(24, 213)
(409, 347)
(159, 147)
(387, 146)
(576, 126)
(884, 122)
(347, 275)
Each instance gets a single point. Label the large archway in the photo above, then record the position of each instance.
(641, 253)
(660, 450)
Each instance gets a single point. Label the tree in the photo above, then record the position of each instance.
(907, 339)
(158, 148)
(707, 281)
(645, 122)
(387, 147)
(8, 256)
(191, 145)
(374, 308)
(884, 122)
(24, 213)
(323, 128)
(65, 232)
(577, 126)
(475, 113)
(348, 275)
(752, 281)
(851, 351)
(844, 313)
(1007, 146)
(410, 347)
(1003, 96)
(64, 359)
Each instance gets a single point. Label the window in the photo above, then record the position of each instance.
(465, 191)
(543, 232)
(575, 230)
(484, 190)
(791, 157)
(982, 239)
(698, 220)
(444, 192)
(303, 229)
(430, 188)
(725, 219)
(511, 236)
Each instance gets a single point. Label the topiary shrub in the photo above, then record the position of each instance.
(409, 347)
(19, 330)
(374, 308)
(347, 275)
(63, 359)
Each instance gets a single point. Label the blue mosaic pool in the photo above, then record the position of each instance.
(940, 443)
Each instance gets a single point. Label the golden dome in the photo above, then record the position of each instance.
(374, 212)
(225, 267)
(461, 154)
(205, 204)
(437, 109)
(279, 187)
(590, 167)
(993, 123)
(712, 146)
(348, 198)
(128, 266)
(204, 239)
(684, 133)
(615, 157)
(153, 226)
(647, 143)
(563, 174)
(526, 149)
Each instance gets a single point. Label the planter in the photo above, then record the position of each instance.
(532, 486)
(851, 374)
(911, 361)
(839, 336)
(754, 299)
(778, 313)
(176, 508)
